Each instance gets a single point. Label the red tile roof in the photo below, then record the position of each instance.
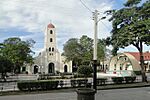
(50, 26)
(146, 55)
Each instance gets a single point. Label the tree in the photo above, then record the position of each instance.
(85, 70)
(86, 44)
(131, 26)
(5, 66)
(72, 51)
(17, 51)
(101, 49)
(81, 50)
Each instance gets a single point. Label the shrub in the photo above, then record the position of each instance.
(127, 79)
(37, 85)
(85, 70)
(130, 79)
(117, 79)
(137, 72)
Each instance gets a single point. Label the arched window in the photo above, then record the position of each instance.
(51, 32)
(52, 49)
(49, 48)
(51, 40)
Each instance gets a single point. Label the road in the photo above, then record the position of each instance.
(115, 94)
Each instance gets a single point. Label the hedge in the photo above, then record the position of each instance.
(117, 79)
(129, 79)
(121, 79)
(78, 82)
(101, 81)
(37, 85)
(137, 72)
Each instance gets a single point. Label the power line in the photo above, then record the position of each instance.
(105, 25)
(86, 6)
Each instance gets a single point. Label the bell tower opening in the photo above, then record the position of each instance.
(51, 32)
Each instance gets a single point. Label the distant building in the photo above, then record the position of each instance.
(50, 61)
(129, 61)
(104, 64)
(146, 56)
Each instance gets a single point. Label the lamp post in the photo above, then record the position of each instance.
(95, 16)
(96, 20)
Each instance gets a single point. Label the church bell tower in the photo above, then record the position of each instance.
(50, 47)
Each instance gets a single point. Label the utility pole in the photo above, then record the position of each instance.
(95, 18)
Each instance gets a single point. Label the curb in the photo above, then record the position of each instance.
(122, 86)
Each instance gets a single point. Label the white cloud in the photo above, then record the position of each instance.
(70, 17)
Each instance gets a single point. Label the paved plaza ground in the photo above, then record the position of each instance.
(114, 94)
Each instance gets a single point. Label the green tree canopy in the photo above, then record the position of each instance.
(72, 50)
(131, 26)
(81, 50)
(17, 51)
(5, 66)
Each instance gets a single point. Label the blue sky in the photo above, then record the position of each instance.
(28, 18)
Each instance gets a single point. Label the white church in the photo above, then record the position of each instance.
(50, 61)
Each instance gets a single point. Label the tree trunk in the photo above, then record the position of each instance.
(142, 63)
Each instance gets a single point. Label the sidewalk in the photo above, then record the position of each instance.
(59, 90)
(120, 86)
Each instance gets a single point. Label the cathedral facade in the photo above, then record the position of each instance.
(50, 61)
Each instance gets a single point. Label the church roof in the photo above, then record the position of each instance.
(50, 26)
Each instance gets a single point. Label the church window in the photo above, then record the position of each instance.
(51, 32)
(51, 54)
(51, 40)
(49, 48)
(52, 49)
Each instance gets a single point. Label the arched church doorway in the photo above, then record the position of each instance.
(36, 69)
(51, 68)
(65, 68)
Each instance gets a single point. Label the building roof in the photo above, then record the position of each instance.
(146, 55)
(50, 25)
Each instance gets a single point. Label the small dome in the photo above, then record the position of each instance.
(50, 26)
